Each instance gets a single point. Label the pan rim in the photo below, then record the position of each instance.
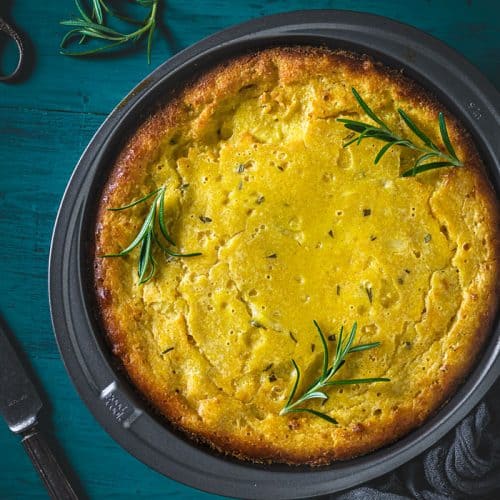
(104, 391)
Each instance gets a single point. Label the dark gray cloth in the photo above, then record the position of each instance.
(463, 464)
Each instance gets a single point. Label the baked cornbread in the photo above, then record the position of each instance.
(293, 227)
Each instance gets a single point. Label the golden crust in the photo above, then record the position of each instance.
(230, 408)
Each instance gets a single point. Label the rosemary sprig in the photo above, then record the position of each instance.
(94, 26)
(382, 132)
(316, 389)
(148, 236)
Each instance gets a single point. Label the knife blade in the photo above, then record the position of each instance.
(19, 399)
(20, 405)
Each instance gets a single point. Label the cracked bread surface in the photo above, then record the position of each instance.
(294, 228)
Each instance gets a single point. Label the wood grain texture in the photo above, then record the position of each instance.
(45, 123)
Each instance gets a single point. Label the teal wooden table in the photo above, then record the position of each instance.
(45, 123)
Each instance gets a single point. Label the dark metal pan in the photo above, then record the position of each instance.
(107, 392)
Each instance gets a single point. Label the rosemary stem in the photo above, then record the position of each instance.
(94, 26)
(428, 149)
(319, 384)
(153, 231)
(315, 390)
(303, 398)
(423, 149)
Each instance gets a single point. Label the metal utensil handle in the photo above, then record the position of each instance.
(14, 34)
(43, 459)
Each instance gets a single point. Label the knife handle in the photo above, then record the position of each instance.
(45, 463)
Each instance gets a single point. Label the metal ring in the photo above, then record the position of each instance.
(7, 28)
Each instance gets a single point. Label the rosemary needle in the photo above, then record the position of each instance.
(148, 236)
(382, 132)
(316, 389)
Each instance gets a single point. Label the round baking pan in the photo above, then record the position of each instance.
(97, 376)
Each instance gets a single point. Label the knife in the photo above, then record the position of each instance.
(20, 405)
